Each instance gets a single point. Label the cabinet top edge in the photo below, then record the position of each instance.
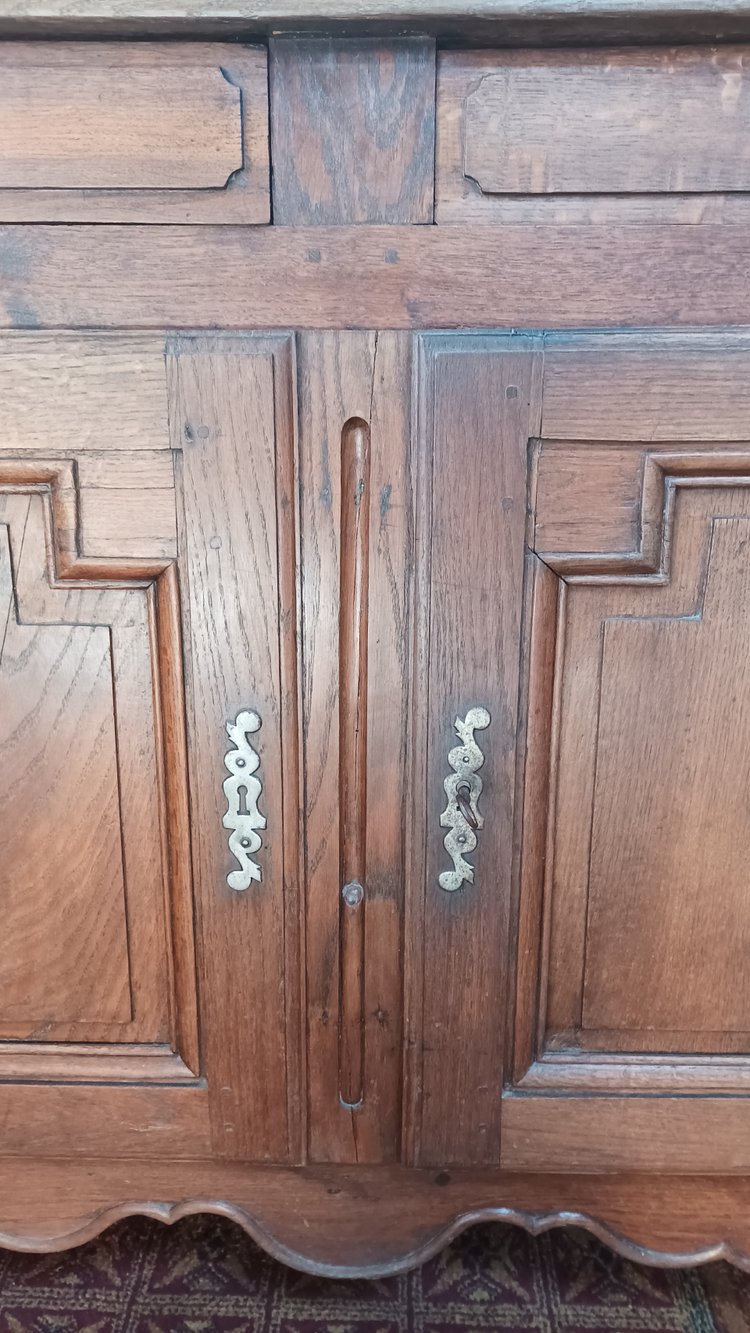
(458, 22)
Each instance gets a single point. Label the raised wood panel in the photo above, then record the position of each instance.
(628, 135)
(352, 130)
(647, 821)
(478, 406)
(233, 417)
(58, 744)
(75, 393)
(356, 530)
(84, 937)
(66, 129)
(108, 132)
(646, 831)
(668, 841)
(101, 951)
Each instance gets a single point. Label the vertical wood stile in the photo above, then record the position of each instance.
(232, 418)
(478, 405)
(355, 526)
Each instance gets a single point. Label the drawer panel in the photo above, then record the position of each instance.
(653, 133)
(110, 132)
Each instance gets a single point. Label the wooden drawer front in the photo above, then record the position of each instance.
(153, 132)
(654, 133)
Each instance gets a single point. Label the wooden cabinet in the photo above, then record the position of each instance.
(374, 710)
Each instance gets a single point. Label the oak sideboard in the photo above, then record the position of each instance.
(375, 623)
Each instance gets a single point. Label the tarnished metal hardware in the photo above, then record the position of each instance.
(353, 894)
(243, 790)
(463, 788)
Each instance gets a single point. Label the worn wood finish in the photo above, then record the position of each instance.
(680, 1134)
(91, 696)
(392, 1218)
(478, 399)
(588, 497)
(355, 692)
(66, 129)
(611, 1073)
(630, 753)
(141, 1122)
(363, 526)
(640, 863)
(638, 135)
(493, 22)
(375, 277)
(645, 389)
(73, 393)
(352, 130)
(107, 132)
(78, 697)
(233, 418)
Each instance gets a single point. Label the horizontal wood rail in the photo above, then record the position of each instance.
(519, 276)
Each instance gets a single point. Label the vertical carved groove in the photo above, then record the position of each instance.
(355, 537)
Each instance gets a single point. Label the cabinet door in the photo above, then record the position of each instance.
(633, 1015)
(134, 487)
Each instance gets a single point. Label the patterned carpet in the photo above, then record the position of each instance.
(204, 1276)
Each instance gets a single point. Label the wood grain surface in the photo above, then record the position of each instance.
(383, 1219)
(107, 132)
(641, 1134)
(634, 135)
(361, 527)
(57, 137)
(478, 405)
(81, 392)
(352, 130)
(630, 1008)
(86, 951)
(375, 277)
(673, 387)
(232, 418)
(344, 379)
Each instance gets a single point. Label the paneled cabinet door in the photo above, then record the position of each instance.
(143, 486)
(632, 1022)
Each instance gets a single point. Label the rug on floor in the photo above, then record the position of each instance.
(204, 1275)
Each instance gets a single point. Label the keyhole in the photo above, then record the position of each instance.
(463, 800)
(242, 801)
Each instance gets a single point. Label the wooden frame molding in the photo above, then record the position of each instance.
(56, 481)
(545, 22)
